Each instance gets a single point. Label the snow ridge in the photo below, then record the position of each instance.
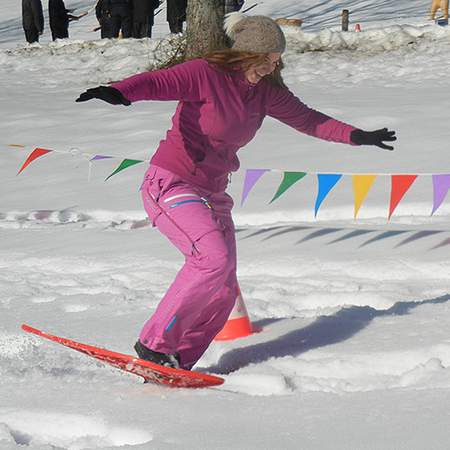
(108, 60)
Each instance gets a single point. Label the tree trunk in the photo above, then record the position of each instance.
(204, 28)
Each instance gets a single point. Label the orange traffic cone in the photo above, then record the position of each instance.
(357, 28)
(238, 324)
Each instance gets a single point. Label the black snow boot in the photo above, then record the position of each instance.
(162, 359)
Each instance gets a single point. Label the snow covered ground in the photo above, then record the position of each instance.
(354, 351)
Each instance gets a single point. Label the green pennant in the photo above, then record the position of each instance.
(124, 165)
(289, 179)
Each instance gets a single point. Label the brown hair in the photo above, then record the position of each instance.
(231, 60)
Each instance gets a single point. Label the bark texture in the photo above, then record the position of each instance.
(204, 27)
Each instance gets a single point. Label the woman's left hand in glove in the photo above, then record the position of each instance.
(376, 137)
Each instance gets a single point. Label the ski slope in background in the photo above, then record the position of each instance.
(355, 350)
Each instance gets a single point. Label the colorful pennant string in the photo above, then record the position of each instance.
(38, 152)
(362, 183)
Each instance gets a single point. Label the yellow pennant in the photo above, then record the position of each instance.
(361, 187)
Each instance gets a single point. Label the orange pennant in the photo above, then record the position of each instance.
(36, 153)
(400, 185)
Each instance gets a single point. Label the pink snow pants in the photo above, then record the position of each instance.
(200, 299)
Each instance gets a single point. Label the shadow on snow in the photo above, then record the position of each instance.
(325, 330)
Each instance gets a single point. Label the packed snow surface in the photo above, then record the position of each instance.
(353, 349)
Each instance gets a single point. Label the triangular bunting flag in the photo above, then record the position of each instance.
(400, 185)
(361, 187)
(36, 153)
(289, 179)
(99, 157)
(124, 165)
(16, 145)
(251, 177)
(326, 183)
(441, 186)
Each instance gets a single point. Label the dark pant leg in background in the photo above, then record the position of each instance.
(139, 30)
(127, 26)
(142, 29)
(176, 26)
(60, 33)
(32, 35)
(121, 22)
(106, 28)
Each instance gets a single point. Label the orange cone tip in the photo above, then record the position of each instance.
(238, 324)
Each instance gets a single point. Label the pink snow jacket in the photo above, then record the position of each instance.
(218, 113)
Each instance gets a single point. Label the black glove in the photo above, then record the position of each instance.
(376, 137)
(105, 93)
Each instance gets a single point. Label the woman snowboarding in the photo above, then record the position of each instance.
(223, 99)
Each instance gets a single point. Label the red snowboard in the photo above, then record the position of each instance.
(149, 371)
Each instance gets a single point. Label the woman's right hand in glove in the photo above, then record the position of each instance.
(377, 137)
(106, 93)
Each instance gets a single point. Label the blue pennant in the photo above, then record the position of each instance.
(326, 183)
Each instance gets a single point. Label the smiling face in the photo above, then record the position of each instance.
(255, 72)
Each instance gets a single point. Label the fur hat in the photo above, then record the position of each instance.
(256, 34)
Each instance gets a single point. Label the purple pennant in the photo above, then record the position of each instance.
(98, 157)
(251, 177)
(441, 185)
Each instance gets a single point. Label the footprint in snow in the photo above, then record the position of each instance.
(65, 431)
